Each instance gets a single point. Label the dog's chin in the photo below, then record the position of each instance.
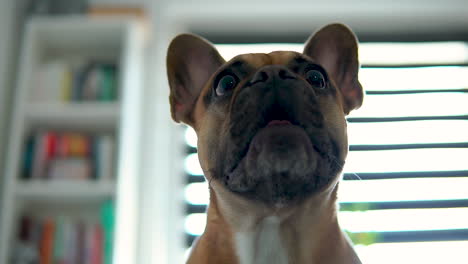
(280, 166)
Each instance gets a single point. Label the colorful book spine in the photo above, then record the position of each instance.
(107, 222)
(47, 242)
(68, 155)
(108, 84)
(59, 80)
(66, 239)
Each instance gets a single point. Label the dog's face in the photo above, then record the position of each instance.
(270, 127)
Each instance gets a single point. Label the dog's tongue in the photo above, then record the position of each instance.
(278, 123)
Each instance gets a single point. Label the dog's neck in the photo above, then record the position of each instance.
(242, 232)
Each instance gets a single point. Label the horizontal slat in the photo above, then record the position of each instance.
(430, 64)
(417, 236)
(408, 54)
(377, 161)
(192, 150)
(404, 236)
(404, 219)
(413, 53)
(416, 91)
(195, 223)
(404, 118)
(190, 137)
(192, 165)
(445, 159)
(407, 146)
(405, 205)
(414, 78)
(393, 175)
(386, 161)
(437, 252)
(395, 220)
(196, 209)
(192, 208)
(403, 190)
(378, 176)
(387, 133)
(401, 105)
(189, 239)
(195, 178)
(417, 132)
(392, 190)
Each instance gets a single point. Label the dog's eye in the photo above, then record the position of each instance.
(225, 84)
(316, 79)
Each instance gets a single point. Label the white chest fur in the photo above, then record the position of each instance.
(262, 244)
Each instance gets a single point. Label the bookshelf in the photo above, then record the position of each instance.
(81, 191)
(73, 151)
(97, 115)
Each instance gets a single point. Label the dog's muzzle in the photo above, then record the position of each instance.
(277, 148)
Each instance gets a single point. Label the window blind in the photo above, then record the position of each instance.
(404, 194)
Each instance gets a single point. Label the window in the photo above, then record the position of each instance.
(404, 196)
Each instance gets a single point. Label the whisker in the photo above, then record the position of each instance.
(341, 166)
(357, 176)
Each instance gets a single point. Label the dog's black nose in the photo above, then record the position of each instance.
(267, 73)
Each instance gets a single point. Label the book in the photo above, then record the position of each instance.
(79, 145)
(91, 84)
(50, 79)
(28, 156)
(67, 86)
(47, 241)
(76, 81)
(81, 241)
(104, 157)
(76, 238)
(68, 241)
(59, 241)
(107, 84)
(76, 168)
(44, 151)
(69, 155)
(107, 222)
(97, 252)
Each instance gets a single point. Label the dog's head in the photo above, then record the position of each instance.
(271, 127)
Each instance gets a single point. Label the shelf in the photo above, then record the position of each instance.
(75, 115)
(64, 190)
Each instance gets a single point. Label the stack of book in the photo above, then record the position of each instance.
(60, 81)
(65, 239)
(68, 155)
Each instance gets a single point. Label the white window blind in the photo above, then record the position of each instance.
(404, 195)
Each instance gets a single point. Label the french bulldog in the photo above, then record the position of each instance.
(272, 143)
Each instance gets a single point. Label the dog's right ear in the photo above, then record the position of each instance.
(191, 60)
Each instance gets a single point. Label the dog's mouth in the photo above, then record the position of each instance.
(279, 160)
(279, 123)
(277, 115)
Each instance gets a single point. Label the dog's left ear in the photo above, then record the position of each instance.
(335, 47)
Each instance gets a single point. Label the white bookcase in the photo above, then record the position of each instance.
(116, 40)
